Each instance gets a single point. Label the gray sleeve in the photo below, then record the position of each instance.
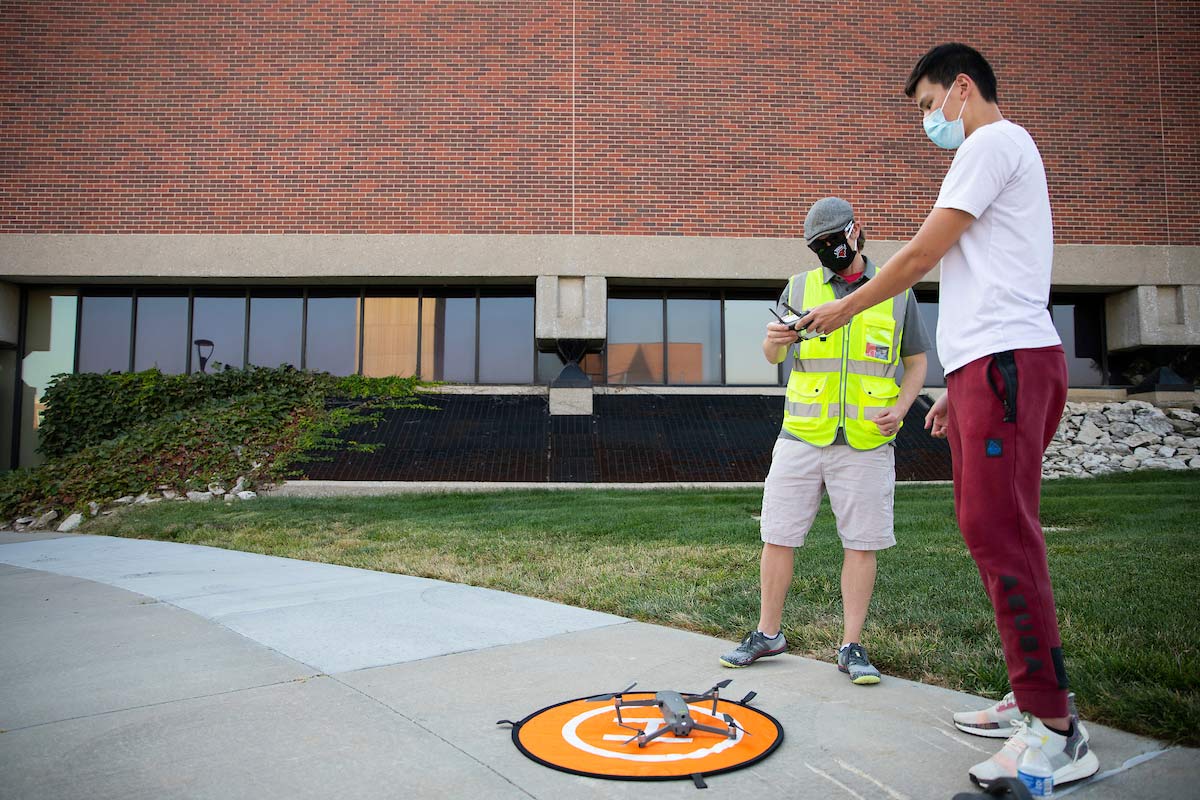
(914, 339)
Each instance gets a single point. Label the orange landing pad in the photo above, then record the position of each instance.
(582, 736)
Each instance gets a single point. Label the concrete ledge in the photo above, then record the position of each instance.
(487, 389)
(1168, 399)
(378, 488)
(500, 258)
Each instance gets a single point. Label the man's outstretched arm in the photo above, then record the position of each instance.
(942, 228)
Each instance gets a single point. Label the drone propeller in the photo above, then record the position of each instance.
(610, 695)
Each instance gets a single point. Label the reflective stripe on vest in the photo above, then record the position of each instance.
(846, 378)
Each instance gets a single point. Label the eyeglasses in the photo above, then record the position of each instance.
(833, 240)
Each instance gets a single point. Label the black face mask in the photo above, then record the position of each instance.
(835, 253)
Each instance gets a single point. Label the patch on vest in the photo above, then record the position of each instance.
(994, 448)
(880, 351)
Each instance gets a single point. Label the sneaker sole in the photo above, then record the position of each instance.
(990, 733)
(731, 665)
(1085, 767)
(861, 680)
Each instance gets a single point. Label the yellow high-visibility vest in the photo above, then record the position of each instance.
(846, 378)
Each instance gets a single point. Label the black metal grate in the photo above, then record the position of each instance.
(628, 439)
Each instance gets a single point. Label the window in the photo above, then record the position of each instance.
(634, 351)
(104, 333)
(448, 339)
(506, 339)
(331, 335)
(276, 326)
(1080, 323)
(160, 338)
(693, 341)
(218, 332)
(50, 327)
(712, 338)
(934, 373)
(390, 336)
(745, 328)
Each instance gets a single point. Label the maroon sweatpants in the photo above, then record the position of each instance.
(997, 439)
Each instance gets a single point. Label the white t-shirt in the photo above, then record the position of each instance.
(996, 278)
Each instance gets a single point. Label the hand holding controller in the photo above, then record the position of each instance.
(790, 319)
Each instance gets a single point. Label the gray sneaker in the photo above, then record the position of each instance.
(752, 648)
(852, 659)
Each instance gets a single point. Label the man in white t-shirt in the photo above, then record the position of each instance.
(1006, 383)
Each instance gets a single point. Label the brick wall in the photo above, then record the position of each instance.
(695, 118)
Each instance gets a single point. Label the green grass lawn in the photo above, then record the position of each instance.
(1123, 554)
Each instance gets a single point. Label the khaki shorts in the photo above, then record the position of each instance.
(861, 486)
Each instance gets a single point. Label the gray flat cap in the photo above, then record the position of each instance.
(827, 215)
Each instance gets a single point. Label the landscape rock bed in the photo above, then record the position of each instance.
(1103, 438)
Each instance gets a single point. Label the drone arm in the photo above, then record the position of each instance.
(645, 739)
(730, 731)
(636, 703)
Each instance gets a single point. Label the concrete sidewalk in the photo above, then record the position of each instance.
(137, 669)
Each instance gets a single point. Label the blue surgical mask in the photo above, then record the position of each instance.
(945, 134)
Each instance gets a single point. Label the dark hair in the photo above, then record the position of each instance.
(944, 63)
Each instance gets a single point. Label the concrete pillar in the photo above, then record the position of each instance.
(571, 308)
(572, 319)
(1148, 316)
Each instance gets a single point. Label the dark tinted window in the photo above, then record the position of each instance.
(161, 337)
(694, 341)
(275, 326)
(1081, 334)
(220, 324)
(506, 340)
(635, 340)
(332, 335)
(448, 339)
(934, 376)
(104, 329)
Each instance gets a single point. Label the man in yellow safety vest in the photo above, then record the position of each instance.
(842, 412)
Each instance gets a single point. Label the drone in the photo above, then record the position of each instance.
(675, 712)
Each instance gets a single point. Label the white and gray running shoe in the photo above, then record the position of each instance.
(1070, 756)
(995, 721)
(754, 646)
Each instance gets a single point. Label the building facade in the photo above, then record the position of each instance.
(472, 191)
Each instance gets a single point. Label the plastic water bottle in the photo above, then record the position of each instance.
(1033, 768)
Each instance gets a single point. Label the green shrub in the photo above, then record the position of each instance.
(106, 436)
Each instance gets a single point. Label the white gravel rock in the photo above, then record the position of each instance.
(42, 522)
(71, 523)
(1139, 439)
